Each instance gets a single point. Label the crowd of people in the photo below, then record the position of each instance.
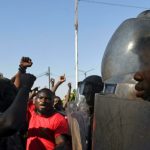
(38, 119)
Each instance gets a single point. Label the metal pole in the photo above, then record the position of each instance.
(49, 77)
(76, 43)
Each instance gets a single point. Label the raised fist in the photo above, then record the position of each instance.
(25, 62)
(62, 78)
(27, 80)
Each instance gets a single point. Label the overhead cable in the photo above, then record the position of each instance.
(113, 4)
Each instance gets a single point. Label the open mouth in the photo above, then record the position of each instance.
(42, 105)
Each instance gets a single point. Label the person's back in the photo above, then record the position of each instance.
(12, 101)
(7, 94)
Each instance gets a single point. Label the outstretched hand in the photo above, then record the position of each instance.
(62, 78)
(143, 84)
(60, 81)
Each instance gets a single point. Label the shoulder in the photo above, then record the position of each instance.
(63, 113)
(59, 120)
(31, 106)
(60, 125)
(59, 116)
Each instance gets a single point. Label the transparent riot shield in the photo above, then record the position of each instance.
(79, 125)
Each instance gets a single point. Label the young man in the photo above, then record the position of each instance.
(47, 129)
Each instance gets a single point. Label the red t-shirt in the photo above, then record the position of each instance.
(43, 130)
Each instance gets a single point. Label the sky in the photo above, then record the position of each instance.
(44, 31)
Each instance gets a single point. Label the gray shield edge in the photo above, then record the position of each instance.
(121, 124)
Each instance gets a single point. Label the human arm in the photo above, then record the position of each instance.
(60, 81)
(67, 97)
(62, 139)
(25, 62)
(143, 84)
(12, 119)
(33, 93)
(61, 143)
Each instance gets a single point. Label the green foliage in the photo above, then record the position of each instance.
(73, 95)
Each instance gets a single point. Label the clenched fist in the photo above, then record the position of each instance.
(25, 62)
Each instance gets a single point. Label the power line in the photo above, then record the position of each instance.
(45, 74)
(40, 75)
(113, 4)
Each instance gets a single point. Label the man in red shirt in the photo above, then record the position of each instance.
(47, 129)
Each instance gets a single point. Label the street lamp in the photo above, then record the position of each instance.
(47, 73)
(85, 72)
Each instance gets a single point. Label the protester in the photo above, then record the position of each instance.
(61, 105)
(48, 130)
(12, 102)
(58, 104)
(67, 96)
(13, 106)
(61, 80)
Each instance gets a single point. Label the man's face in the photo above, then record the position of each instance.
(56, 100)
(58, 103)
(44, 103)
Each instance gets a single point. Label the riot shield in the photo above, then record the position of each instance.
(79, 127)
(121, 124)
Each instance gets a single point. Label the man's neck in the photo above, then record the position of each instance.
(46, 113)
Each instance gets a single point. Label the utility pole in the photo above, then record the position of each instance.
(47, 73)
(76, 43)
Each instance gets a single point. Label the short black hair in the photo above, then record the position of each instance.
(47, 91)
